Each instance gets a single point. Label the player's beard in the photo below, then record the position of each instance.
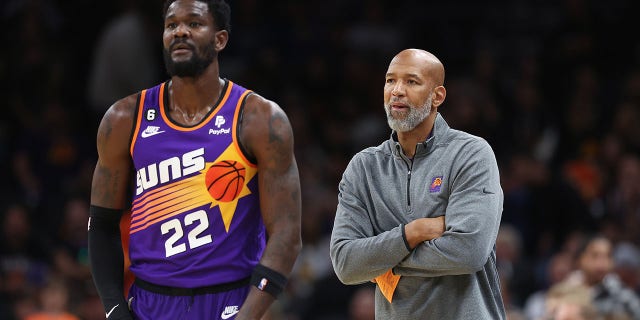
(413, 118)
(192, 67)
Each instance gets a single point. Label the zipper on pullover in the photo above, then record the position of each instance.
(409, 163)
(409, 167)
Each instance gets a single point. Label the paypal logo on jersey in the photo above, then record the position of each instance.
(220, 120)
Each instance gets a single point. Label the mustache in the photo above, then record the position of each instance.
(400, 100)
(181, 41)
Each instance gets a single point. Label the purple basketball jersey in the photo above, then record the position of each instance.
(195, 216)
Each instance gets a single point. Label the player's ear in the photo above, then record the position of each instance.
(221, 39)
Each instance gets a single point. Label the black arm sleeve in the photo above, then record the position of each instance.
(107, 260)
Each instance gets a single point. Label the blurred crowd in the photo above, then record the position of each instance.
(553, 86)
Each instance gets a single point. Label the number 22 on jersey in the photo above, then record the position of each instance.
(195, 238)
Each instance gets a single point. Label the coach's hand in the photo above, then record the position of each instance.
(423, 229)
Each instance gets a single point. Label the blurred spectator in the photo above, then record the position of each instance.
(70, 255)
(623, 198)
(594, 264)
(557, 269)
(362, 304)
(516, 275)
(23, 259)
(124, 56)
(49, 162)
(626, 260)
(53, 302)
(567, 301)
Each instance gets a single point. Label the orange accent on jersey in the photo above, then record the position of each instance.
(203, 122)
(235, 128)
(125, 220)
(138, 121)
(169, 201)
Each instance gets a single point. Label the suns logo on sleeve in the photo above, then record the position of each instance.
(436, 183)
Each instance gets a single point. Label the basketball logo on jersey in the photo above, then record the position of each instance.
(225, 180)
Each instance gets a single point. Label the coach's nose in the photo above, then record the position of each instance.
(398, 89)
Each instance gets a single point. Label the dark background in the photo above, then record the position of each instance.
(553, 86)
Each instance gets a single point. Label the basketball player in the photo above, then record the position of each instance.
(419, 214)
(215, 209)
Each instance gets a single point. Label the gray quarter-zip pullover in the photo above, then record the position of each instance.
(454, 174)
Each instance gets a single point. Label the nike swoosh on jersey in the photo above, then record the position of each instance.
(149, 134)
(225, 315)
(110, 311)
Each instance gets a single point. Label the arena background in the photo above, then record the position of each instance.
(554, 86)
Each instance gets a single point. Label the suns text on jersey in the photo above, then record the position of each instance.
(169, 170)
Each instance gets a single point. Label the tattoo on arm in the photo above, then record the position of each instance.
(275, 122)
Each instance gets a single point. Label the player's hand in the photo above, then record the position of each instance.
(424, 229)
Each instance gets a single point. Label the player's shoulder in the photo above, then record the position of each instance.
(261, 112)
(256, 103)
(122, 112)
(125, 106)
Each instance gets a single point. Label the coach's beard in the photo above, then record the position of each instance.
(414, 117)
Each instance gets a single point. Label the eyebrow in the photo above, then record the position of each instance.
(410, 75)
(191, 15)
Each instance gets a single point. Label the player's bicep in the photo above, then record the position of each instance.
(270, 139)
(112, 174)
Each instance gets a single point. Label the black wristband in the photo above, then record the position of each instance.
(268, 280)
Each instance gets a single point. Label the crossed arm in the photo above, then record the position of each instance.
(359, 253)
(423, 229)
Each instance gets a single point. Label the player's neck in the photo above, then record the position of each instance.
(193, 94)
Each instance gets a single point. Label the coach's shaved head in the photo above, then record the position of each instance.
(431, 65)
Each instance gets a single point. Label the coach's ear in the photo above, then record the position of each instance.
(438, 95)
(222, 37)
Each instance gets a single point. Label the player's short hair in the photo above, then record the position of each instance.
(219, 9)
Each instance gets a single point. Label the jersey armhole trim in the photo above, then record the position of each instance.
(237, 119)
(138, 120)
